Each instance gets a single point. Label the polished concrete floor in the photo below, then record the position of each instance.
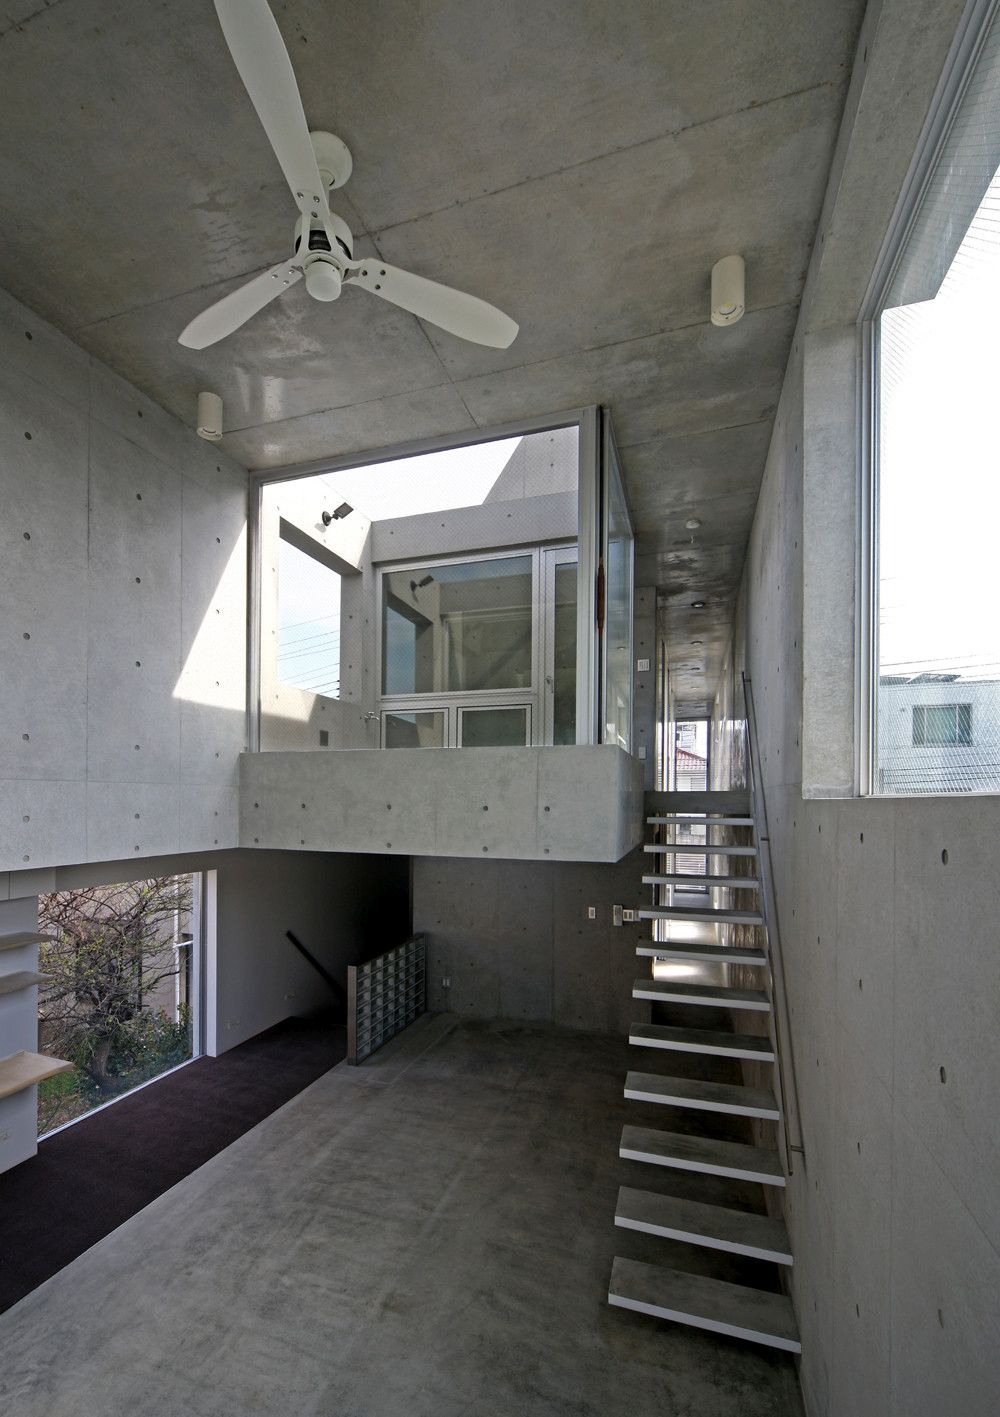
(429, 1234)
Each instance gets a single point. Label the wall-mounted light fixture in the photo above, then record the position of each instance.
(344, 510)
(692, 523)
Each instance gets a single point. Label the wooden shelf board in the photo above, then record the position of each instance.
(21, 1070)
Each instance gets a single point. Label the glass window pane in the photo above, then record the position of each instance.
(494, 728)
(308, 622)
(413, 730)
(938, 635)
(564, 655)
(119, 965)
(457, 628)
(618, 620)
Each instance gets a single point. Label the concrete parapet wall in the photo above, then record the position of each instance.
(533, 804)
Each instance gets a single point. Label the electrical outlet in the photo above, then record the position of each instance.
(446, 982)
(642, 666)
(591, 912)
(628, 916)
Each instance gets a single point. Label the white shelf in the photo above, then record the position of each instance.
(22, 979)
(21, 1070)
(24, 937)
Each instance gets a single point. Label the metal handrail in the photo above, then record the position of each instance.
(769, 909)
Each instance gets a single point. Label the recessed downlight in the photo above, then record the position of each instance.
(697, 605)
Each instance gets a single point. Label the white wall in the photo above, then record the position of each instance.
(342, 908)
(122, 614)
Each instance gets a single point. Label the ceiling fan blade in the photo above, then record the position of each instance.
(464, 315)
(234, 309)
(264, 66)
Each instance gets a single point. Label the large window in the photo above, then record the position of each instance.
(433, 599)
(617, 639)
(120, 999)
(936, 632)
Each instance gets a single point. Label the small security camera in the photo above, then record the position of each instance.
(344, 510)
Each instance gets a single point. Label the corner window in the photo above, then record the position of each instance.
(936, 492)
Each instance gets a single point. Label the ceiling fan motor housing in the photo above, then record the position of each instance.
(322, 266)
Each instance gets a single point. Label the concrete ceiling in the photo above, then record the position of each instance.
(580, 163)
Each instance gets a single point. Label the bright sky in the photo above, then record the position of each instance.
(939, 468)
(435, 482)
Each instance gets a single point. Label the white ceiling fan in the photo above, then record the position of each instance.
(313, 164)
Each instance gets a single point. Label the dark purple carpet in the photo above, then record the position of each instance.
(90, 1178)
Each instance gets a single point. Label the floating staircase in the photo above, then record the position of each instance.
(715, 835)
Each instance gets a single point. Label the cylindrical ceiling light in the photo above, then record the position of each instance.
(209, 417)
(728, 290)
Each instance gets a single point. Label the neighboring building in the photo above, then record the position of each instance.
(938, 733)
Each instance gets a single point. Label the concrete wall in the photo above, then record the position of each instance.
(122, 614)
(513, 939)
(887, 907)
(568, 804)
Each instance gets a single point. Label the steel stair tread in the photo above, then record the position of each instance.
(702, 914)
(697, 820)
(682, 878)
(716, 1042)
(684, 1152)
(687, 848)
(693, 1222)
(700, 994)
(717, 954)
(728, 1098)
(755, 1315)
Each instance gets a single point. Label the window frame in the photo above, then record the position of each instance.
(966, 47)
(586, 420)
